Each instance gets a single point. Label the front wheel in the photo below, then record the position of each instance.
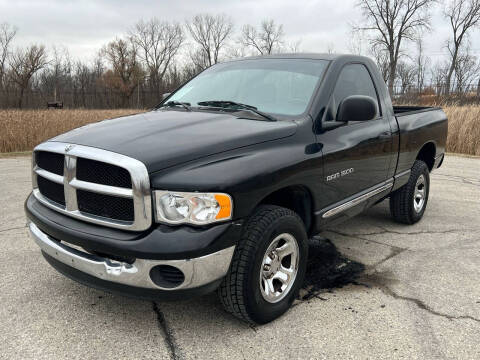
(407, 204)
(268, 266)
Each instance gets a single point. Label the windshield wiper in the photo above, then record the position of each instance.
(172, 103)
(227, 104)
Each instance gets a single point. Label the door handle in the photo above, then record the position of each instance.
(385, 135)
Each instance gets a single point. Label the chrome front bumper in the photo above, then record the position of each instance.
(197, 271)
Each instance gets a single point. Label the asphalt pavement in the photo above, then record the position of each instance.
(374, 289)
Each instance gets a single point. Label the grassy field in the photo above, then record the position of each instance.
(21, 130)
(463, 129)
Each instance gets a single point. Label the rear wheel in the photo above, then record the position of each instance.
(268, 266)
(407, 204)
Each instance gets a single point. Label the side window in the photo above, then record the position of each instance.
(353, 80)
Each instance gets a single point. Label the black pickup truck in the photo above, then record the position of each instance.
(220, 186)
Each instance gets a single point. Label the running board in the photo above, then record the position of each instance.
(351, 203)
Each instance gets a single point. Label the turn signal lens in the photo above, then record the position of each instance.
(192, 208)
(225, 203)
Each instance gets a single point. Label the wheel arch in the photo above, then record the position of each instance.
(297, 198)
(427, 154)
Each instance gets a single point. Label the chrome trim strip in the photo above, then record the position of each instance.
(403, 173)
(48, 175)
(50, 203)
(198, 271)
(140, 192)
(34, 175)
(70, 172)
(349, 204)
(77, 214)
(101, 189)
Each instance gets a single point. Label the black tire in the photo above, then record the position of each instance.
(402, 205)
(240, 291)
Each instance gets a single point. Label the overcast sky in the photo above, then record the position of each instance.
(84, 26)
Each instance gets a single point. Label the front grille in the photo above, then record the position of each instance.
(97, 186)
(50, 161)
(105, 205)
(51, 190)
(103, 173)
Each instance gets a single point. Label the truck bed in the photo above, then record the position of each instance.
(407, 110)
(418, 126)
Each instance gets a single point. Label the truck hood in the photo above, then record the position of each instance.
(165, 138)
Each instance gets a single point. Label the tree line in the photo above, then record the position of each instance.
(151, 58)
(389, 24)
(156, 56)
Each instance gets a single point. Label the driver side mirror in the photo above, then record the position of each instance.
(357, 108)
(164, 96)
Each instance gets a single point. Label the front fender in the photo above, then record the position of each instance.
(248, 174)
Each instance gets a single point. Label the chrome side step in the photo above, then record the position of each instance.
(351, 203)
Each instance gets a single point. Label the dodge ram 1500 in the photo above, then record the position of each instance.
(220, 186)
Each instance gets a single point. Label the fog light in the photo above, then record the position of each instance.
(167, 276)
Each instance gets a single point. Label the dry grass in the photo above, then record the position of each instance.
(21, 130)
(463, 129)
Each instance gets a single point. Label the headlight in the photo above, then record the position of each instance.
(192, 208)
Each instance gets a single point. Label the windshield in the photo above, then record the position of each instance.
(278, 86)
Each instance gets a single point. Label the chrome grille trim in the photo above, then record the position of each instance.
(48, 175)
(101, 189)
(69, 173)
(140, 191)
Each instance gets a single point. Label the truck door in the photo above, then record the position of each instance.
(357, 154)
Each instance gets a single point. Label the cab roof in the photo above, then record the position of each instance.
(315, 56)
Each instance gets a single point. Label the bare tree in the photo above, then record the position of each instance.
(236, 52)
(356, 41)
(381, 58)
(198, 60)
(466, 71)
(211, 33)
(158, 44)
(24, 64)
(463, 15)
(392, 22)
(83, 79)
(126, 72)
(7, 33)
(294, 46)
(330, 48)
(439, 74)
(266, 40)
(421, 63)
(57, 76)
(406, 76)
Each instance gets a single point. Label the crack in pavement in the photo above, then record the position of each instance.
(13, 228)
(459, 179)
(167, 333)
(394, 251)
(388, 231)
(357, 236)
(419, 303)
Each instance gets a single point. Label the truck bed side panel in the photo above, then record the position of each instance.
(418, 129)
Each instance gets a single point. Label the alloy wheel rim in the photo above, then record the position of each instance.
(419, 194)
(279, 268)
